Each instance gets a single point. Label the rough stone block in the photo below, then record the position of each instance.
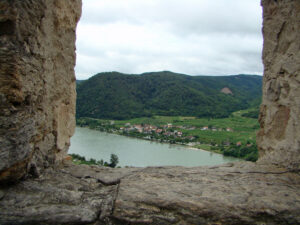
(279, 137)
(37, 83)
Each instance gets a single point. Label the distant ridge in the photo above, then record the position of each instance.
(114, 95)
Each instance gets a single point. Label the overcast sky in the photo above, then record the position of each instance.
(195, 37)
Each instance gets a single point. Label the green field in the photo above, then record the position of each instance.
(244, 129)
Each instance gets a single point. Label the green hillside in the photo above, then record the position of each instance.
(119, 96)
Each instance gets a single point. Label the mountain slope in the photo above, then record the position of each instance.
(118, 96)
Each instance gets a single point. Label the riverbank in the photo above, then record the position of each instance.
(233, 136)
(190, 145)
(94, 144)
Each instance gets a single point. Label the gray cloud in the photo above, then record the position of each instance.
(193, 37)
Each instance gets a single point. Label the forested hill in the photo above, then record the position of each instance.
(119, 96)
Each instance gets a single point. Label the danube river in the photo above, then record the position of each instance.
(139, 153)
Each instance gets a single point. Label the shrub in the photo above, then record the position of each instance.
(114, 160)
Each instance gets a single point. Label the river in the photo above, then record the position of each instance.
(139, 153)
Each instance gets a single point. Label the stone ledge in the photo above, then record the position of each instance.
(240, 193)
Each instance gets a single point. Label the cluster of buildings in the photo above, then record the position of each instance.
(150, 129)
(228, 129)
(165, 130)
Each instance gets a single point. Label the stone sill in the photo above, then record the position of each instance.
(239, 193)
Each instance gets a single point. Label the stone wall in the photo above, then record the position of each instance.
(37, 83)
(279, 137)
(37, 98)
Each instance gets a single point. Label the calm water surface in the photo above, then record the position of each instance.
(139, 153)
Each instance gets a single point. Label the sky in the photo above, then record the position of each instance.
(195, 37)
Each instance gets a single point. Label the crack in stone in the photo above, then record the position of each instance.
(115, 198)
(108, 206)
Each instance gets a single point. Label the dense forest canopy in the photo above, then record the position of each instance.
(115, 95)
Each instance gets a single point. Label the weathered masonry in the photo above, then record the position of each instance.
(37, 84)
(279, 137)
(37, 108)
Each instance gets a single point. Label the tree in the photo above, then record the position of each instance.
(114, 160)
(100, 162)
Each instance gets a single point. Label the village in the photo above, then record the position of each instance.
(149, 129)
(166, 130)
(164, 133)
